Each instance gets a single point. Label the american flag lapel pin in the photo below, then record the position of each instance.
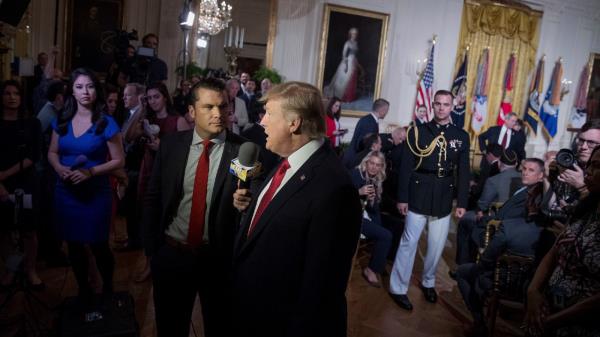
(302, 177)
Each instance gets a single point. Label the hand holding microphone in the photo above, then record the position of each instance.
(245, 167)
(76, 174)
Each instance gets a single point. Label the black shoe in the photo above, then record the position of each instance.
(430, 294)
(402, 301)
(452, 274)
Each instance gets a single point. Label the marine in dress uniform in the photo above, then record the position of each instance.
(435, 168)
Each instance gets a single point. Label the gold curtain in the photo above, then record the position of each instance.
(504, 30)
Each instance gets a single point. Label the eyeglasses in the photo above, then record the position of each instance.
(445, 105)
(590, 143)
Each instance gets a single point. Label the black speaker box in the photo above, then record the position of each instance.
(118, 318)
(11, 11)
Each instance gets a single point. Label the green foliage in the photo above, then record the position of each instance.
(192, 70)
(269, 73)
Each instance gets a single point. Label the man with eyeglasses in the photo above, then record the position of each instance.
(434, 165)
(587, 140)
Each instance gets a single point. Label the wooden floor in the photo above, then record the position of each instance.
(371, 312)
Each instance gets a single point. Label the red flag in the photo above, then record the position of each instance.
(425, 90)
(506, 104)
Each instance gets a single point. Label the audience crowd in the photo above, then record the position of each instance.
(78, 153)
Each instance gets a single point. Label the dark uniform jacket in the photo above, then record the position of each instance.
(430, 188)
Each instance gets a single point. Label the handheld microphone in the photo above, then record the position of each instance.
(246, 165)
(79, 162)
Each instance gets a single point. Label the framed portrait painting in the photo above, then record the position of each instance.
(91, 30)
(351, 57)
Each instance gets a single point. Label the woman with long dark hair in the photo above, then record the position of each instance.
(148, 127)
(333, 113)
(82, 140)
(20, 140)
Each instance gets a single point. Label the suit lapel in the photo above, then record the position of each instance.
(241, 234)
(292, 186)
(228, 154)
(181, 154)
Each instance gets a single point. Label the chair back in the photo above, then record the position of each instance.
(512, 276)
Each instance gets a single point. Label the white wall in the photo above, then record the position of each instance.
(569, 29)
(412, 24)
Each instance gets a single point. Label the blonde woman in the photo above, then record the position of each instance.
(368, 178)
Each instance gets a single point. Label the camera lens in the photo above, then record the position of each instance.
(565, 158)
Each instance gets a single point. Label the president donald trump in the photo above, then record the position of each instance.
(294, 250)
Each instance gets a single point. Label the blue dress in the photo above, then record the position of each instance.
(83, 211)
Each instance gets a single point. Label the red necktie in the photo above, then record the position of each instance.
(197, 215)
(504, 139)
(277, 178)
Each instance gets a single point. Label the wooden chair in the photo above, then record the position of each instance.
(511, 279)
(490, 229)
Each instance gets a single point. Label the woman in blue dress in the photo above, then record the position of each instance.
(86, 147)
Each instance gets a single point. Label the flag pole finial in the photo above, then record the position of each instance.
(543, 57)
(560, 59)
(434, 38)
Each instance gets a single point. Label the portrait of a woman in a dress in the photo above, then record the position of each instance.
(344, 82)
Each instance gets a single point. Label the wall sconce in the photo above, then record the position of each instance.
(415, 68)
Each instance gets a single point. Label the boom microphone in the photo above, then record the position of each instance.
(246, 165)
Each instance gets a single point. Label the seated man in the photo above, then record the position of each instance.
(488, 167)
(496, 189)
(516, 234)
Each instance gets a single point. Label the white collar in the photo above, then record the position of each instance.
(300, 156)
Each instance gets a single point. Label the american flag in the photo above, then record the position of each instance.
(425, 88)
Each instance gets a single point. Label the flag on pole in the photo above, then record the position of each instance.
(425, 88)
(459, 90)
(550, 107)
(579, 111)
(506, 105)
(479, 107)
(533, 103)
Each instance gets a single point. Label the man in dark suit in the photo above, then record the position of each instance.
(505, 136)
(517, 234)
(189, 221)
(496, 189)
(294, 250)
(369, 123)
(532, 173)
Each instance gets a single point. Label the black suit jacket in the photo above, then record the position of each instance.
(290, 274)
(514, 207)
(365, 125)
(165, 191)
(517, 140)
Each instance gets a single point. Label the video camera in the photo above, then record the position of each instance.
(136, 67)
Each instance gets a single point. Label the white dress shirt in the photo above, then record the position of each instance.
(296, 160)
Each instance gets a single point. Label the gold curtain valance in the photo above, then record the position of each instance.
(505, 30)
(500, 20)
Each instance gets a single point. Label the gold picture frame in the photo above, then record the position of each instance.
(90, 27)
(593, 94)
(351, 57)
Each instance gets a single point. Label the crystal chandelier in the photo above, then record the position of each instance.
(212, 17)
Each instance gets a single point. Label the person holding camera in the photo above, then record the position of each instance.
(156, 67)
(368, 178)
(83, 138)
(20, 140)
(563, 297)
(566, 173)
